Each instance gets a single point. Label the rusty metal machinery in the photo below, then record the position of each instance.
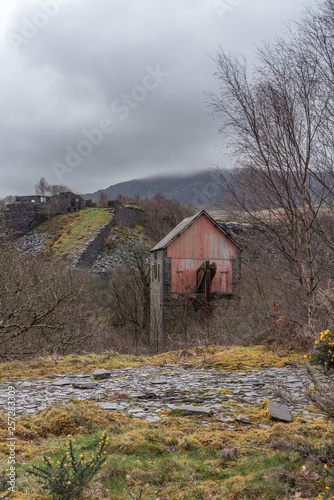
(204, 276)
(205, 272)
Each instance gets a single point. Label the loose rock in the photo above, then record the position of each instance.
(193, 410)
(280, 412)
(84, 385)
(101, 374)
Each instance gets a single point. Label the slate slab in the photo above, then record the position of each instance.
(108, 406)
(139, 414)
(84, 385)
(153, 419)
(101, 374)
(226, 419)
(62, 382)
(280, 412)
(193, 410)
(243, 419)
(136, 410)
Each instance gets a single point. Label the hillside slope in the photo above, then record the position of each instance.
(90, 238)
(69, 234)
(196, 189)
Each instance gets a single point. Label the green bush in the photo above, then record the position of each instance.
(323, 354)
(4, 481)
(327, 494)
(67, 477)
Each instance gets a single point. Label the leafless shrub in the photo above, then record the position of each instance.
(324, 312)
(126, 295)
(161, 214)
(102, 201)
(44, 307)
(228, 454)
(320, 391)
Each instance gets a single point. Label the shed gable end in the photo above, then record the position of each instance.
(202, 240)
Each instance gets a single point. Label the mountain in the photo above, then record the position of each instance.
(196, 189)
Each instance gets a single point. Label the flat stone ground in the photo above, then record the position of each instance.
(145, 392)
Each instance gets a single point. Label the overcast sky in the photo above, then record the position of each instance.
(97, 92)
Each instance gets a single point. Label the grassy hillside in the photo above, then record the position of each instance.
(70, 233)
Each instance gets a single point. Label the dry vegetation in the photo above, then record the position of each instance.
(221, 358)
(180, 457)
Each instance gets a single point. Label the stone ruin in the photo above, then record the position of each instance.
(28, 212)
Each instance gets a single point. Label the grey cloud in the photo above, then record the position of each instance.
(93, 53)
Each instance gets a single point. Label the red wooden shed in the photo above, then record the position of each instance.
(177, 259)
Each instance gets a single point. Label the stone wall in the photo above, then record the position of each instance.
(160, 298)
(66, 202)
(236, 273)
(29, 211)
(124, 215)
(32, 199)
(91, 252)
(21, 217)
(128, 215)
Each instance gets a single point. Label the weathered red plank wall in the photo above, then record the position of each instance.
(201, 241)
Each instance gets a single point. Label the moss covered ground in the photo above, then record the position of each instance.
(69, 233)
(221, 358)
(180, 457)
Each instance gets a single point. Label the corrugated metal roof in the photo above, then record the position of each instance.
(184, 225)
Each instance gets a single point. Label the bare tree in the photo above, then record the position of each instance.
(162, 214)
(42, 187)
(102, 202)
(274, 125)
(55, 189)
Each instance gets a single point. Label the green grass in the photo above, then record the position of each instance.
(155, 460)
(71, 232)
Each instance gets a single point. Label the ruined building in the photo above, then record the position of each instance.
(196, 257)
(29, 211)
